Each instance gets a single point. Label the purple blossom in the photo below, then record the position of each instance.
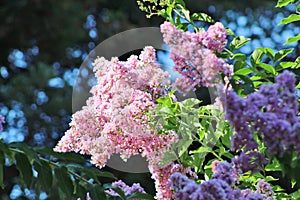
(264, 188)
(2, 121)
(225, 172)
(215, 189)
(252, 161)
(135, 188)
(271, 112)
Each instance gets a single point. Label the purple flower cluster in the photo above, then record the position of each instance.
(251, 161)
(2, 121)
(194, 55)
(225, 171)
(221, 187)
(214, 189)
(135, 188)
(271, 113)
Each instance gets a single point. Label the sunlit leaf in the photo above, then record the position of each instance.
(256, 57)
(290, 19)
(268, 68)
(238, 42)
(244, 71)
(282, 54)
(282, 3)
(292, 39)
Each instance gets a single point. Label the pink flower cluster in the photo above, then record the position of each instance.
(116, 118)
(194, 55)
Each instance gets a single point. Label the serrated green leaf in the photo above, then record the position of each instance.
(64, 183)
(2, 162)
(256, 57)
(292, 39)
(282, 54)
(24, 167)
(290, 19)
(238, 42)
(45, 176)
(268, 68)
(243, 71)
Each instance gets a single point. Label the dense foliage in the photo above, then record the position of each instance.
(239, 147)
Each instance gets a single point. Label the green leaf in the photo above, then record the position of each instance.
(70, 156)
(140, 196)
(25, 168)
(168, 157)
(245, 87)
(292, 39)
(284, 65)
(31, 155)
(186, 13)
(202, 150)
(268, 68)
(45, 176)
(290, 19)
(282, 3)
(298, 9)
(239, 57)
(97, 192)
(256, 57)
(239, 65)
(5, 149)
(79, 190)
(2, 162)
(229, 32)
(64, 183)
(181, 2)
(202, 17)
(238, 42)
(268, 51)
(243, 71)
(190, 102)
(282, 53)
